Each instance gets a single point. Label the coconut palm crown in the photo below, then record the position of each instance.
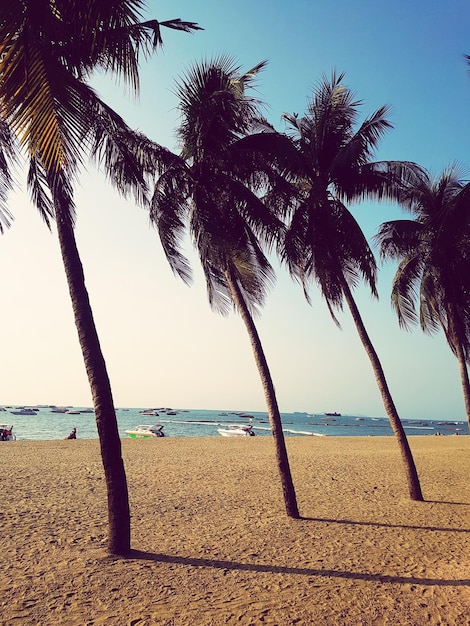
(335, 166)
(213, 185)
(48, 48)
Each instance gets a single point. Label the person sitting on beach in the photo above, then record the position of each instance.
(73, 434)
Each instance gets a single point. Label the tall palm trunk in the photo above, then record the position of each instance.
(270, 397)
(453, 340)
(412, 478)
(464, 378)
(110, 443)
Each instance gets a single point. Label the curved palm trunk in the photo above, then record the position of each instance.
(452, 337)
(464, 378)
(118, 500)
(290, 499)
(412, 478)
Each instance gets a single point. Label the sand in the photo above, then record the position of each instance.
(212, 543)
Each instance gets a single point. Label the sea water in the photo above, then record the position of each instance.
(46, 424)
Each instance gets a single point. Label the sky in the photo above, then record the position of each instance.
(162, 344)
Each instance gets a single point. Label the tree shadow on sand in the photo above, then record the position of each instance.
(299, 571)
(384, 525)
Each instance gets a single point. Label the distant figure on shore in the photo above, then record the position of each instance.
(73, 434)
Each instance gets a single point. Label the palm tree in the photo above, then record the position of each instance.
(433, 251)
(324, 244)
(212, 189)
(48, 48)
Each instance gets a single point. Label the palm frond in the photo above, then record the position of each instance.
(405, 291)
(398, 238)
(40, 193)
(169, 210)
(8, 158)
(60, 186)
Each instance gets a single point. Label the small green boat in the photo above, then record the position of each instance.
(146, 431)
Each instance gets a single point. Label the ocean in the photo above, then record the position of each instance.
(46, 424)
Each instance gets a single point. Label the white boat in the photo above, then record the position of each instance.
(6, 433)
(146, 431)
(237, 430)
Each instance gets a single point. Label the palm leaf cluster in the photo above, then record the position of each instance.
(48, 48)
(433, 251)
(335, 166)
(212, 188)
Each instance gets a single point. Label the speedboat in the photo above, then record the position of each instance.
(237, 430)
(25, 411)
(146, 431)
(6, 433)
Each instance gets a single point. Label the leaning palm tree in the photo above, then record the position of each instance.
(48, 49)
(324, 244)
(211, 188)
(433, 251)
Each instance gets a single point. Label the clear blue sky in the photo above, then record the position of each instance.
(162, 343)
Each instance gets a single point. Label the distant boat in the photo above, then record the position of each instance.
(237, 430)
(58, 409)
(334, 414)
(24, 412)
(146, 431)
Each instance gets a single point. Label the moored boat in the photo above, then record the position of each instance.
(146, 431)
(237, 430)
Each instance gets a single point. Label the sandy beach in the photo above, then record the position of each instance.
(212, 543)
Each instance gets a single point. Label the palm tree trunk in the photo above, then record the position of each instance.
(274, 415)
(451, 331)
(464, 378)
(412, 478)
(110, 443)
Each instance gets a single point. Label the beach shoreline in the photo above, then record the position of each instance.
(212, 543)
